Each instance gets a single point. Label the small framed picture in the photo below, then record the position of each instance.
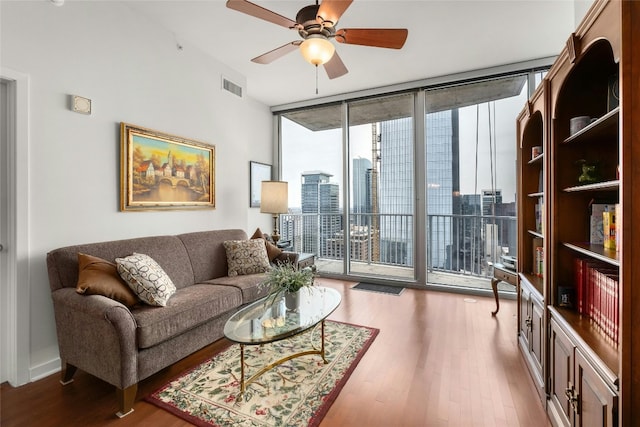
(258, 172)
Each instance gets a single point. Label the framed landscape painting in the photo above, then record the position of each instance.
(162, 171)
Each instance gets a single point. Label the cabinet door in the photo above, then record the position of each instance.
(525, 318)
(561, 361)
(597, 404)
(537, 334)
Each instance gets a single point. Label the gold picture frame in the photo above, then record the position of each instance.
(163, 171)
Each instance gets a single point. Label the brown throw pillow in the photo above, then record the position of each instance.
(97, 276)
(273, 251)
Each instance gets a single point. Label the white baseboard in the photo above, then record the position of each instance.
(44, 369)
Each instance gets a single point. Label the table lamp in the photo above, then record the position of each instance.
(274, 200)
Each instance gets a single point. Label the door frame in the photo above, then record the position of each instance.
(17, 275)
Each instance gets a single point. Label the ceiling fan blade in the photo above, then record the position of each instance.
(260, 12)
(392, 38)
(330, 11)
(267, 58)
(335, 67)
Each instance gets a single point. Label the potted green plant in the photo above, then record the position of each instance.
(285, 278)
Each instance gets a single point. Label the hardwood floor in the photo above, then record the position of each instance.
(440, 359)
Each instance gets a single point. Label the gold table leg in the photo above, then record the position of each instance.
(244, 383)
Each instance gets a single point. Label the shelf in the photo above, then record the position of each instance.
(598, 186)
(535, 195)
(535, 234)
(599, 128)
(598, 252)
(536, 159)
(535, 282)
(593, 341)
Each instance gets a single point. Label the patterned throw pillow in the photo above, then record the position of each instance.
(146, 278)
(246, 257)
(97, 276)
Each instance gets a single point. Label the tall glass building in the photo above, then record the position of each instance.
(396, 191)
(443, 186)
(321, 198)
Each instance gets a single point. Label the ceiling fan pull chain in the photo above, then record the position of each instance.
(316, 79)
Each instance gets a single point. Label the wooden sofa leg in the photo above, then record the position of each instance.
(126, 398)
(67, 374)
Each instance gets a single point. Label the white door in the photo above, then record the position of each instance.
(4, 279)
(14, 300)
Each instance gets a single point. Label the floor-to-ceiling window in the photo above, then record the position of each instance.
(470, 138)
(382, 197)
(312, 165)
(361, 171)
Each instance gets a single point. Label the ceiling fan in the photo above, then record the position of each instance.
(316, 25)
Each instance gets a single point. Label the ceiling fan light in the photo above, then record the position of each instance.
(317, 50)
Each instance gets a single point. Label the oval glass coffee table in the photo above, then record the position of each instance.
(267, 320)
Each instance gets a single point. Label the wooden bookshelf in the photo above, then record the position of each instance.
(580, 355)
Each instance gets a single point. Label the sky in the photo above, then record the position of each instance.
(305, 150)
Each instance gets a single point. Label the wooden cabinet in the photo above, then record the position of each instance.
(594, 403)
(579, 395)
(561, 363)
(590, 303)
(532, 335)
(532, 131)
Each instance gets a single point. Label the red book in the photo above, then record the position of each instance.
(612, 310)
(591, 280)
(606, 295)
(597, 295)
(616, 309)
(579, 266)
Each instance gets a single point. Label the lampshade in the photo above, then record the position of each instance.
(274, 197)
(317, 50)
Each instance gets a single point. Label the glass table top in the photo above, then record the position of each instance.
(268, 320)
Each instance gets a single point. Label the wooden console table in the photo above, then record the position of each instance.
(502, 274)
(306, 260)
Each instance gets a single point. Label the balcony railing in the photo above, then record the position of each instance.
(459, 244)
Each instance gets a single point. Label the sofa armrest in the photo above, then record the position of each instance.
(97, 335)
(291, 257)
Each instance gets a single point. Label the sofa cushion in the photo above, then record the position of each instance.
(97, 276)
(273, 251)
(247, 284)
(246, 257)
(187, 308)
(206, 252)
(146, 278)
(168, 251)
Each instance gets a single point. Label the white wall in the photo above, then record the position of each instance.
(580, 8)
(132, 71)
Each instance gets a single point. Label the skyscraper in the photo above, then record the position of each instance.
(396, 191)
(490, 198)
(361, 190)
(322, 198)
(443, 186)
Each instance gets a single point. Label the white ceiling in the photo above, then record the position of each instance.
(444, 37)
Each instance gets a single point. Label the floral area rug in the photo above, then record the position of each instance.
(297, 393)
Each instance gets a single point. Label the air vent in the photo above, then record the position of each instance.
(230, 86)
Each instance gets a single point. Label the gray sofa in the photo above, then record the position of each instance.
(122, 345)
